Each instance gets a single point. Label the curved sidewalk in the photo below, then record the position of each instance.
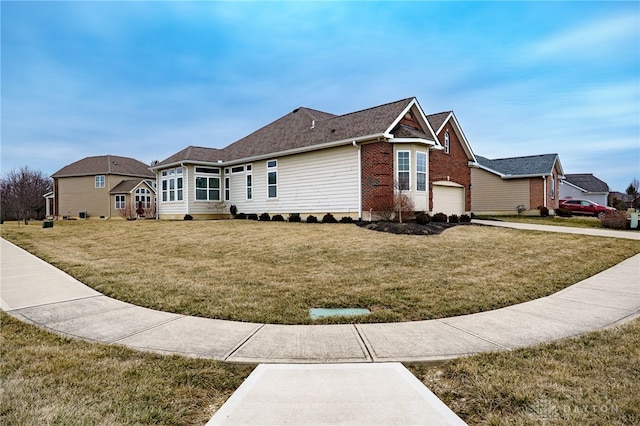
(39, 293)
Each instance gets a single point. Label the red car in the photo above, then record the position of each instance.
(585, 207)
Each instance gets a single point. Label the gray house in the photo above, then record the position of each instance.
(585, 186)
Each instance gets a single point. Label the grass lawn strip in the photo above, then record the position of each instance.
(593, 379)
(573, 221)
(275, 272)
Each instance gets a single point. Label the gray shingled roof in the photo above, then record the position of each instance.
(105, 165)
(303, 127)
(587, 181)
(521, 166)
(125, 186)
(436, 120)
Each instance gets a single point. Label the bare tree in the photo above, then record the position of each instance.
(22, 194)
(633, 190)
(403, 203)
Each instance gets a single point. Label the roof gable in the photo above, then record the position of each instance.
(438, 122)
(128, 185)
(105, 165)
(533, 165)
(587, 182)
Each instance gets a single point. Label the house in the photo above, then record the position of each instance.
(101, 186)
(515, 185)
(585, 186)
(312, 162)
(449, 171)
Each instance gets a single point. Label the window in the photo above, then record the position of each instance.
(143, 198)
(227, 188)
(553, 187)
(249, 187)
(249, 168)
(404, 182)
(238, 169)
(207, 186)
(120, 202)
(447, 145)
(272, 179)
(100, 181)
(421, 171)
(172, 184)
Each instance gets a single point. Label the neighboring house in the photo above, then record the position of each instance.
(310, 162)
(515, 185)
(584, 186)
(84, 189)
(133, 198)
(627, 199)
(449, 170)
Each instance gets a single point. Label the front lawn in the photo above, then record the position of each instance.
(275, 272)
(573, 221)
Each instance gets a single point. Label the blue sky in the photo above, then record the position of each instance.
(147, 79)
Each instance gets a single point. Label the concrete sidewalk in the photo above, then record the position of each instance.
(37, 292)
(613, 233)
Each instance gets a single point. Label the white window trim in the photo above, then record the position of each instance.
(123, 201)
(272, 169)
(207, 176)
(227, 188)
(404, 171)
(426, 170)
(447, 143)
(100, 181)
(247, 187)
(169, 175)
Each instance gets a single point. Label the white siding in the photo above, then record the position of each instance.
(491, 193)
(448, 198)
(316, 182)
(568, 191)
(420, 198)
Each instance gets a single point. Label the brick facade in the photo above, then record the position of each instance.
(377, 175)
(452, 167)
(537, 192)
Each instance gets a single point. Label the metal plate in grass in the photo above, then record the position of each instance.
(337, 312)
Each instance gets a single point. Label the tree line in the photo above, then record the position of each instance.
(22, 194)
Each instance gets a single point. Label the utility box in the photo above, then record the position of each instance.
(47, 224)
(634, 221)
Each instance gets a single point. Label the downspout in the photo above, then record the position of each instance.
(544, 191)
(185, 183)
(359, 179)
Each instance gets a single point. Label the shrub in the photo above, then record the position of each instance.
(439, 217)
(346, 219)
(465, 218)
(294, 217)
(240, 216)
(561, 211)
(328, 218)
(312, 219)
(188, 217)
(454, 218)
(544, 212)
(233, 210)
(265, 217)
(277, 218)
(422, 218)
(252, 216)
(614, 220)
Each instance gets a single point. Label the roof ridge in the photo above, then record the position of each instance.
(377, 106)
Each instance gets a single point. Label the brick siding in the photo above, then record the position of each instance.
(377, 174)
(453, 166)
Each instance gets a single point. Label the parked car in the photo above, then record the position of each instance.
(586, 207)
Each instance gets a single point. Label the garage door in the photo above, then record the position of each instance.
(448, 198)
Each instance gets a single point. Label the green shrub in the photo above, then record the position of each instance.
(188, 217)
(252, 216)
(294, 217)
(454, 218)
(562, 212)
(346, 219)
(465, 218)
(328, 218)
(422, 218)
(544, 212)
(439, 217)
(312, 219)
(265, 217)
(240, 216)
(277, 218)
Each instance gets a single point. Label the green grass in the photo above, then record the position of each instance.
(275, 272)
(48, 379)
(593, 379)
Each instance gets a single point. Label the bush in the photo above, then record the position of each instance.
(312, 219)
(454, 218)
(422, 218)
(240, 216)
(465, 218)
(439, 217)
(614, 220)
(265, 217)
(544, 212)
(294, 217)
(561, 211)
(252, 216)
(188, 217)
(233, 210)
(346, 219)
(277, 218)
(328, 218)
